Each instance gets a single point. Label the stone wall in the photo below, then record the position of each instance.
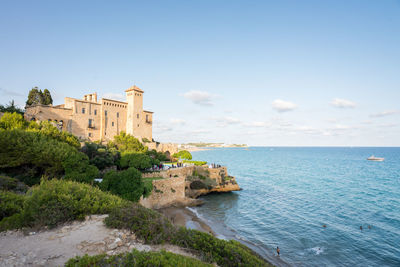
(165, 192)
(163, 147)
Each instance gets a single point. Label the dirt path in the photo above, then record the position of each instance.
(55, 247)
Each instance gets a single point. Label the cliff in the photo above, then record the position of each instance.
(181, 186)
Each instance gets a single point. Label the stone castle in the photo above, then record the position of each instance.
(93, 120)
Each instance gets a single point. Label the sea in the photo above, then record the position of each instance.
(322, 206)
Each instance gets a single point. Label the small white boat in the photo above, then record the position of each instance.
(373, 158)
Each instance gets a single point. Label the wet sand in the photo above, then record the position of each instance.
(186, 218)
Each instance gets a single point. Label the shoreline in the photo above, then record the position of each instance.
(183, 216)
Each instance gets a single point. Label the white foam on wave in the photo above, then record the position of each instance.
(317, 250)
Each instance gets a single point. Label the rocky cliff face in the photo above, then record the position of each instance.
(181, 186)
(206, 180)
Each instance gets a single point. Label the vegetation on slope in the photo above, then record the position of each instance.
(156, 229)
(54, 202)
(136, 258)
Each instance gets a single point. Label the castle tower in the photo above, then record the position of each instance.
(134, 97)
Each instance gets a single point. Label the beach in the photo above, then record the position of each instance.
(186, 218)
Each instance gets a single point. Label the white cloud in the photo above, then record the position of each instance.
(283, 106)
(114, 96)
(343, 103)
(200, 131)
(257, 124)
(225, 121)
(199, 97)
(385, 113)
(177, 121)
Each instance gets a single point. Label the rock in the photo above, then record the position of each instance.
(113, 246)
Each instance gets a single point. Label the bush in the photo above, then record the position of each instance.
(126, 142)
(128, 184)
(10, 121)
(10, 203)
(101, 156)
(57, 201)
(154, 228)
(136, 258)
(12, 184)
(183, 154)
(140, 161)
(77, 168)
(147, 224)
(32, 154)
(159, 156)
(48, 129)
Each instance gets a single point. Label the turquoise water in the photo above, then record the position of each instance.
(290, 193)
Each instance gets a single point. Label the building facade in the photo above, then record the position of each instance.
(90, 119)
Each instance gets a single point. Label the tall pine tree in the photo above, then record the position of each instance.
(36, 96)
(47, 99)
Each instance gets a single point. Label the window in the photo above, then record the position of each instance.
(112, 124)
(83, 110)
(105, 113)
(90, 123)
(147, 117)
(95, 112)
(117, 114)
(90, 134)
(138, 115)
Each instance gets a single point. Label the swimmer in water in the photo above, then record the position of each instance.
(360, 227)
(278, 251)
(369, 226)
(324, 225)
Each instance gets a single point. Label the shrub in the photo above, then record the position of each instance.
(12, 184)
(48, 129)
(128, 184)
(140, 161)
(198, 185)
(136, 258)
(10, 121)
(37, 154)
(101, 156)
(126, 142)
(147, 224)
(10, 203)
(77, 168)
(57, 201)
(183, 154)
(148, 188)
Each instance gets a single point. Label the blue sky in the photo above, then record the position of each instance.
(296, 73)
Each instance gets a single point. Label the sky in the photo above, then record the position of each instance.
(262, 73)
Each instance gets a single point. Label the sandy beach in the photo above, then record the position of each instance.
(186, 218)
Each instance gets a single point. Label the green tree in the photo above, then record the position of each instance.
(126, 142)
(140, 161)
(35, 97)
(47, 99)
(11, 108)
(28, 155)
(10, 121)
(128, 184)
(183, 154)
(47, 128)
